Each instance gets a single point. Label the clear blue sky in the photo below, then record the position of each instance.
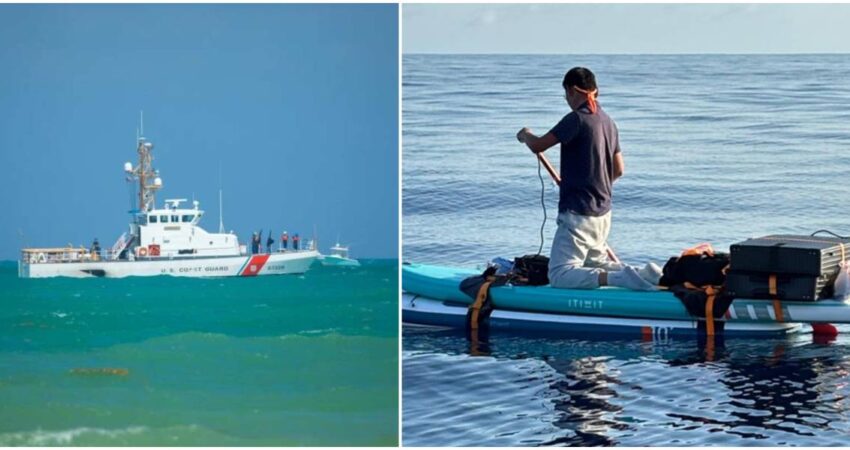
(298, 104)
(626, 28)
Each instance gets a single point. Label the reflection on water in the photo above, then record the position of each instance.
(520, 390)
(586, 409)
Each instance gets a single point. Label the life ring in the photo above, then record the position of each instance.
(143, 251)
(41, 258)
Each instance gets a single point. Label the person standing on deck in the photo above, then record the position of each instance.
(255, 244)
(269, 242)
(95, 250)
(591, 161)
(284, 239)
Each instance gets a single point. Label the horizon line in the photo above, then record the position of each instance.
(631, 54)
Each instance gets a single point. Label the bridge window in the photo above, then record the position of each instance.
(151, 219)
(175, 219)
(163, 219)
(188, 218)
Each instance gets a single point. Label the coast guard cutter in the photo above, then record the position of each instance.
(162, 241)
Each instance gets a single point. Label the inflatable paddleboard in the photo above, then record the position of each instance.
(441, 284)
(418, 310)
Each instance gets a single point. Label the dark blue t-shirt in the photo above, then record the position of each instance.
(588, 145)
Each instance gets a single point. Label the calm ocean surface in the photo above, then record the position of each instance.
(287, 360)
(718, 148)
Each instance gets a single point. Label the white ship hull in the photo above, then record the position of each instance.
(217, 266)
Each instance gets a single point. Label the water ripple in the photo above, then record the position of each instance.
(535, 391)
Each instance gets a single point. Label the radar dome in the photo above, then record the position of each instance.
(128, 167)
(157, 181)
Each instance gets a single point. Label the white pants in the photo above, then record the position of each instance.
(579, 251)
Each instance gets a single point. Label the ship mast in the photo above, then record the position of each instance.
(149, 182)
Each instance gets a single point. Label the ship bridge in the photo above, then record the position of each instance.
(172, 213)
(173, 231)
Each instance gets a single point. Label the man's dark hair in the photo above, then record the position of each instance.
(580, 77)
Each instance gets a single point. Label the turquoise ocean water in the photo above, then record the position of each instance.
(280, 360)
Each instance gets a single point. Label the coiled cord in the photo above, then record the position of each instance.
(830, 233)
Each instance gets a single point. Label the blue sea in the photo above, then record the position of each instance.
(717, 148)
(265, 361)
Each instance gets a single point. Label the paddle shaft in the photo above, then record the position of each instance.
(548, 166)
(557, 178)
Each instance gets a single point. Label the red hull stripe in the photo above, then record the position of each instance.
(255, 264)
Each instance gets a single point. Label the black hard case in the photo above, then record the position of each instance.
(805, 266)
(791, 254)
(788, 286)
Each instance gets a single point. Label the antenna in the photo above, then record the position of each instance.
(149, 181)
(220, 212)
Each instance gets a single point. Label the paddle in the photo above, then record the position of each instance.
(557, 178)
(548, 166)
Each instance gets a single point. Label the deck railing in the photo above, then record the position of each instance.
(63, 255)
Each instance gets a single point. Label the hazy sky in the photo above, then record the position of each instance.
(297, 104)
(626, 28)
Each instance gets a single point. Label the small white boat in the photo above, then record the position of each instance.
(162, 241)
(338, 257)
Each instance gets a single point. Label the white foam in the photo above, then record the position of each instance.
(41, 437)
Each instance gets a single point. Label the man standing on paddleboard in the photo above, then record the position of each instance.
(590, 162)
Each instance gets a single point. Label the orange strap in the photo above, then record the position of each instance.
(591, 98)
(709, 310)
(479, 301)
(699, 249)
(709, 323)
(777, 310)
(711, 294)
(777, 305)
